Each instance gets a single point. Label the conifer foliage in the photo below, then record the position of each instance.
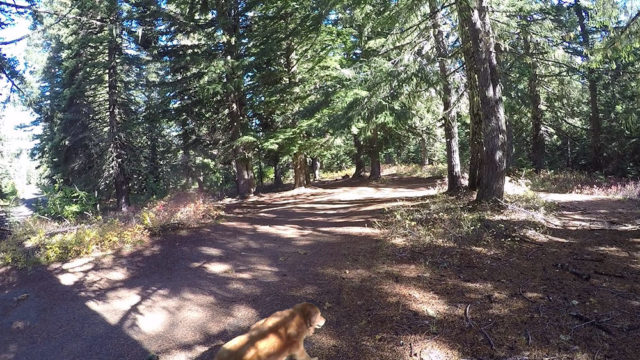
(139, 97)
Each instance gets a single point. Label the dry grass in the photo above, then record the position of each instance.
(582, 183)
(539, 288)
(39, 240)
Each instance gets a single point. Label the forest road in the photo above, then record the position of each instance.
(191, 290)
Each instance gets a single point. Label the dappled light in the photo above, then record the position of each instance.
(495, 284)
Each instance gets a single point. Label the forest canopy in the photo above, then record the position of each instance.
(138, 97)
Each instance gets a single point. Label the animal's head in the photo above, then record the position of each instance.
(311, 315)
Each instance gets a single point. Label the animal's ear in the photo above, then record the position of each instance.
(308, 314)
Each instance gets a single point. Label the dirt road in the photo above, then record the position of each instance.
(193, 289)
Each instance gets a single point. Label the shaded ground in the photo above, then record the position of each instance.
(191, 290)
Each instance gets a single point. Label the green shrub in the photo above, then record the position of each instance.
(8, 191)
(69, 203)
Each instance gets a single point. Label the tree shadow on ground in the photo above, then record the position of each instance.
(191, 290)
(532, 291)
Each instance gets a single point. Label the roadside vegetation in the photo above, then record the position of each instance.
(68, 226)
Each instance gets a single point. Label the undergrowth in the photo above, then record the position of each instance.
(437, 170)
(445, 221)
(581, 183)
(39, 240)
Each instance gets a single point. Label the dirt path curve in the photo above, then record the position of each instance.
(193, 289)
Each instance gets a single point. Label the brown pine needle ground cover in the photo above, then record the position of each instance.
(532, 280)
(400, 272)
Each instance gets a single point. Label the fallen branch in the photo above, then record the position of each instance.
(467, 317)
(589, 259)
(581, 275)
(63, 230)
(537, 216)
(525, 296)
(619, 276)
(527, 336)
(589, 321)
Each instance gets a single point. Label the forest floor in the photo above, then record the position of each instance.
(563, 287)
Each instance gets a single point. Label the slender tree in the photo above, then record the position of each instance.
(454, 175)
(595, 123)
(475, 113)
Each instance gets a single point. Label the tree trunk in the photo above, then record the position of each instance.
(153, 161)
(376, 172)
(492, 176)
(299, 170)
(307, 173)
(509, 159)
(116, 138)
(424, 156)
(475, 111)
(595, 123)
(374, 156)
(229, 17)
(454, 175)
(537, 138)
(277, 173)
(245, 184)
(315, 166)
(358, 158)
(260, 173)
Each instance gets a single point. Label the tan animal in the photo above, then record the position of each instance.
(276, 337)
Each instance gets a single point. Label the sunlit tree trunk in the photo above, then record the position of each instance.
(454, 176)
(358, 158)
(315, 166)
(424, 156)
(299, 170)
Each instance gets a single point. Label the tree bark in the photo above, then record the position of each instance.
(509, 155)
(454, 175)
(537, 138)
(475, 111)
(229, 18)
(277, 172)
(315, 166)
(116, 138)
(245, 184)
(595, 123)
(358, 158)
(424, 156)
(374, 156)
(492, 177)
(299, 170)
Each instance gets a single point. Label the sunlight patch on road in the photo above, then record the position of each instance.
(68, 279)
(152, 322)
(115, 304)
(81, 264)
(215, 267)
